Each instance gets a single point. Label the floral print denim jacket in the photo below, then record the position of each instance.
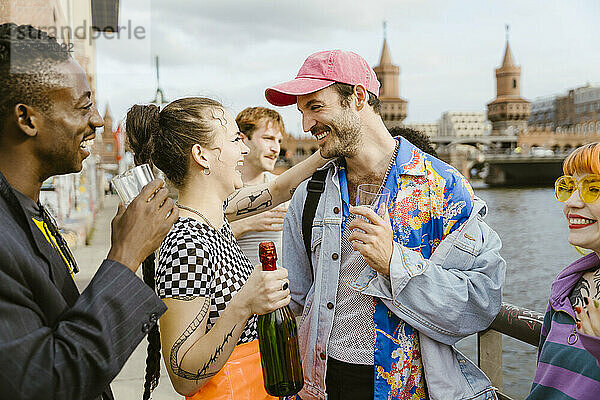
(445, 281)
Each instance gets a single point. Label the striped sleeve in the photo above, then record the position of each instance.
(565, 369)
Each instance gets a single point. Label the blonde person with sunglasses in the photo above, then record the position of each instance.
(569, 352)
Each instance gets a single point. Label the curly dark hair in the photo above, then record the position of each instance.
(29, 66)
(416, 137)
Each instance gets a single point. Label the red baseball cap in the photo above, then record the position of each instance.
(323, 69)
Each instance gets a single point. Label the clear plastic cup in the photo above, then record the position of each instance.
(375, 197)
(131, 182)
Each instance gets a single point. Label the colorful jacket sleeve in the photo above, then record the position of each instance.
(457, 291)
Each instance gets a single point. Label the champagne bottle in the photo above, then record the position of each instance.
(278, 340)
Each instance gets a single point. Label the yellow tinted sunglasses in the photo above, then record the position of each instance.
(589, 188)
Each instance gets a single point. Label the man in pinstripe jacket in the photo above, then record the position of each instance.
(56, 343)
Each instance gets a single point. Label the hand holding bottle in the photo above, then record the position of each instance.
(264, 291)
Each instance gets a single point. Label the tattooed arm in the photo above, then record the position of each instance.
(191, 354)
(271, 220)
(254, 199)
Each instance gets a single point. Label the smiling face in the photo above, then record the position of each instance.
(72, 119)
(336, 127)
(226, 155)
(264, 146)
(584, 228)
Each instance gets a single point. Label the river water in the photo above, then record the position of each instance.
(534, 232)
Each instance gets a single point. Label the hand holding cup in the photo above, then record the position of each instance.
(372, 234)
(139, 229)
(130, 183)
(375, 197)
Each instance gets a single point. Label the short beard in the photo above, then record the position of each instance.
(346, 128)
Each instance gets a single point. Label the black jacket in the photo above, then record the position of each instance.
(54, 342)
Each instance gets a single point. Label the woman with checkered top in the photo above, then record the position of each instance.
(212, 291)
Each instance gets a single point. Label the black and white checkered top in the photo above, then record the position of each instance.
(194, 260)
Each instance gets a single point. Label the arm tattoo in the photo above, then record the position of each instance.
(597, 281)
(580, 290)
(213, 358)
(258, 200)
(179, 342)
(202, 373)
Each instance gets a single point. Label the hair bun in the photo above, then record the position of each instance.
(142, 124)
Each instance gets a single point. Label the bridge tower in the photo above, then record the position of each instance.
(393, 107)
(509, 112)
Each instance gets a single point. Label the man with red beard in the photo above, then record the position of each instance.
(383, 300)
(262, 131)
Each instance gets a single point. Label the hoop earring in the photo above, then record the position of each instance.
(204, 171)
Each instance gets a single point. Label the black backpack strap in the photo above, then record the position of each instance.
(316, 186)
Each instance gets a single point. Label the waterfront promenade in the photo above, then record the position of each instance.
(129, 384)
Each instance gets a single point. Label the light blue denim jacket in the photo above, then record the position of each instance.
(455, 293)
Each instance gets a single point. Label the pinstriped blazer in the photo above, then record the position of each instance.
(54, 342)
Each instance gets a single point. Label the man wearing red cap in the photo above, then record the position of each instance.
(383, 300)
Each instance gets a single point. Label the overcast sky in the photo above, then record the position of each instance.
(446, 50)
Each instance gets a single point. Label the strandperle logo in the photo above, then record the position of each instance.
(127, 31)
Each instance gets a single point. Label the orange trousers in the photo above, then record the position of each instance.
(240, 378)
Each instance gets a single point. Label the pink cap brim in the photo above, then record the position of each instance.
(285, 93)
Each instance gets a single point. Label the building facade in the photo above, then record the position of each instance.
(543, 113)
(69, 21)
(548, 139)
(586, 104)
(563, 122)
(576, 112)
(464, 124)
